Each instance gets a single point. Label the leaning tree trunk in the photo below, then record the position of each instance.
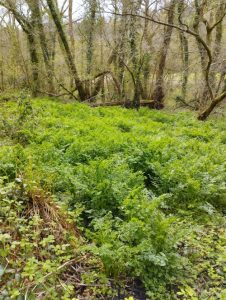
(205, 114)
(210, 99)
(158, 94)
(83, 94)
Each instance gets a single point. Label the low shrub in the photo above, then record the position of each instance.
(142, 244)
(40, 248)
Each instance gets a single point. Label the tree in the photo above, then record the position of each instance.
(146, 50)
(65, 45)
(158, 93)
(28, 28)
(214, 100)
(34, 6)
(91, 20)
(184, 50)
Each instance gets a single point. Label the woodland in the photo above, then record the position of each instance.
(112, 149)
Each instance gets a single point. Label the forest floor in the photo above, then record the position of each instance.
(110, 203)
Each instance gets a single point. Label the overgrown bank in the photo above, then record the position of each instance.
(146, 190)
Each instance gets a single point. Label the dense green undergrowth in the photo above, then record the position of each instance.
(146, 189)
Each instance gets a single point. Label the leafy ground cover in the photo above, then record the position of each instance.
(144, 189)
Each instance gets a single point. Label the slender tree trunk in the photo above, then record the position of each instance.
(146, 76)
(199, 7)
(71, 31)
(90, 40)
(158, 94)
(184, 52)
(70, 26)
(121, 50)
(35, 64)
(2, 75)
(217, 46)
(185, 57)
(83, 94)
(18, 53)
(102, 62)
(28, 28)
(34, 6)
(147, 36)
(133, 41)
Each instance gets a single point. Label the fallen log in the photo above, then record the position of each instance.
(126, 104)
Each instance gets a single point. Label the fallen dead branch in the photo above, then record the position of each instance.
(127, 104)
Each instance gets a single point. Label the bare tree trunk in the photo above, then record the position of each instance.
(34, 55)
(184, 52)
(71, 31)
(102, 62)
(185, 57)
(146, 73)
(217, 45)
(28, 28)
(14, 34)
(133, 41)
(34, 6)
(205, 114)
(121, 50)
(70, 25)
(2, 75)
(199, 7)
(35, 64)
(83, 94)
(90, 41)
(158, 94)
(147, 37)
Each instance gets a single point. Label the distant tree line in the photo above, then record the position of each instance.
(130, 52)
